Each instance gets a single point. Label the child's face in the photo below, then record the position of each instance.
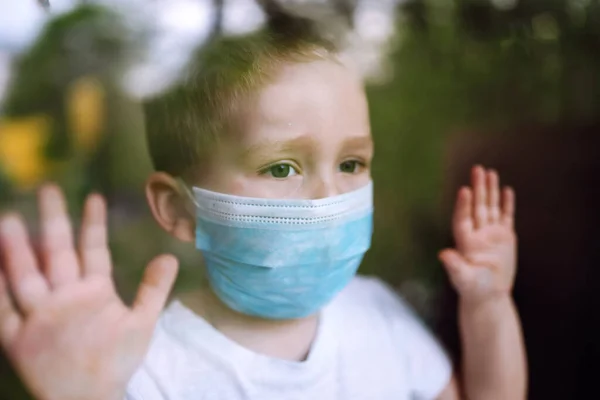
(305, 136)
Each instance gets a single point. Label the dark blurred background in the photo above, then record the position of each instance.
(512, 84)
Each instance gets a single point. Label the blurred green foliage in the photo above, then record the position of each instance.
(87, 43)
(468, 65)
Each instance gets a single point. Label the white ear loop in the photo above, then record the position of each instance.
(187, 192)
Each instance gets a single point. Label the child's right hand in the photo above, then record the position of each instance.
(62, 324)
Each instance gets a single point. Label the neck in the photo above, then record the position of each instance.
(285, 339)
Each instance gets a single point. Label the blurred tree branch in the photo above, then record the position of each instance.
(341, 8)
(345, 8)
(271, 8)
(217, 27)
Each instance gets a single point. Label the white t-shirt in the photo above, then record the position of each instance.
(369, 345)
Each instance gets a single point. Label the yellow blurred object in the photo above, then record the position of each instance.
(22, 143)
(85, 112)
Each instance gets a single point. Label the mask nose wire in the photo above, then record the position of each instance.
(190, 200)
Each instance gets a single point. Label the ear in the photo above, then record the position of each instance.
(168, 206)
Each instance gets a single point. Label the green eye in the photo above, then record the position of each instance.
(281, 171)
(349, 167)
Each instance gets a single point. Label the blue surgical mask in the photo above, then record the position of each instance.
(282, 259)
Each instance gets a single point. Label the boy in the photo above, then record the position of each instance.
(262, 157)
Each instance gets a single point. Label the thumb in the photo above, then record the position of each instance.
(458, 268)
(155, 287)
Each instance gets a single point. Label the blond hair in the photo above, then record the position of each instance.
(183, 124)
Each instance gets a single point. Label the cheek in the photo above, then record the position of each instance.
(268, 188)
(224, 177)
(238, 186)
(349, 183)
(250, 186)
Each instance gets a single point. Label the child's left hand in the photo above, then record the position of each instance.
(483, 264)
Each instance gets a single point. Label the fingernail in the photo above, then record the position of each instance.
(9, 225)
(52, 192)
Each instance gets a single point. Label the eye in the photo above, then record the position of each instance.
(350, 166)
(280, 171)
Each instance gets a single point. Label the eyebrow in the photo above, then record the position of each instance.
(358, 142)
(278, 146)
(269, 147)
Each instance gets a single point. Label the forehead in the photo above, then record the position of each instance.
(319, 98)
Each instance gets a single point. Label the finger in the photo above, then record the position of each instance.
(480, 201)
(493, 190)
(10, 320)
(27, 284)
(155, 287)
(457, 267)
(508, 207)
(462, 220)
(61, 264)
(93, 244)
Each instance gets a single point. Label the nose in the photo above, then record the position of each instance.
(324, 187)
